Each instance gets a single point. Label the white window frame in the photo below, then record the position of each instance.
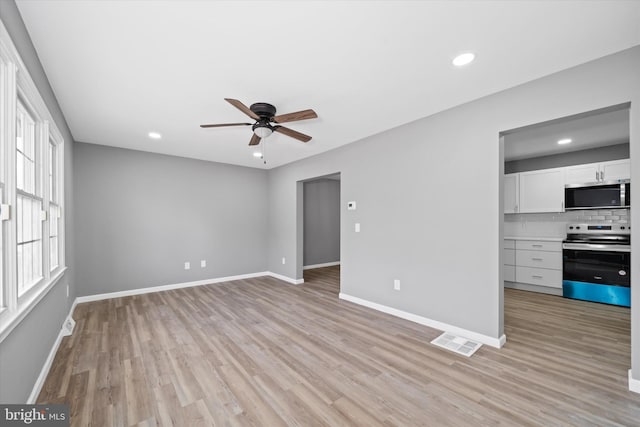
(16, 83)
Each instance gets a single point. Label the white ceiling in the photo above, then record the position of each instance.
(123, 68)
(586, 131)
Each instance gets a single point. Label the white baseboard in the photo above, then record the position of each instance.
(634, 385)
(484, 339)
(151, 289)
(285, 278)
(37, 387)
(326, 264)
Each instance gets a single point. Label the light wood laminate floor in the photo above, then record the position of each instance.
(261, 352)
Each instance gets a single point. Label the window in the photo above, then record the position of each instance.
(31, 192)
(29, 201)
(54, 208)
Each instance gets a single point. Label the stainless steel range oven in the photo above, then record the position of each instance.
(596, 263)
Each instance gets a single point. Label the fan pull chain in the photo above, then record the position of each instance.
(264, 152)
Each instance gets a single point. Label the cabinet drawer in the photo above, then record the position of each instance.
(509, 256)
(509, 273)
(539, 259)
(539, 276)
(508, 244)
(537, 245)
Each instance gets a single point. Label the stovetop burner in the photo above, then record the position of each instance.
(611, 234)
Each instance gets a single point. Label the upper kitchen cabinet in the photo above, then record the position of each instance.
(598, 172)
(617, 169)
(542, 191)
(511, 193)
(582, 174)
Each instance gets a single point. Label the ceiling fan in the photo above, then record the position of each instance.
(264, 114)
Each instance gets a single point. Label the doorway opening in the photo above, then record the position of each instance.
(541, 166)
(320, 260)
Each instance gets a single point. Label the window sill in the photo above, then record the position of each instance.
(9, 319)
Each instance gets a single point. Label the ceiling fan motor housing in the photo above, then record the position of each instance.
(264, 110)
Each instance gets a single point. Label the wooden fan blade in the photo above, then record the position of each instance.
(292, 133)
(298, 115)
(240, 106)
(225, 124)
(255, 140)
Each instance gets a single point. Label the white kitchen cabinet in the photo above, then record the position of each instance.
(511, 193)
(542, 191)
(539, 276)
(617, 169)
(533, 262)
(598, 172)
(582, 174)
(509, 260)
(539, 259)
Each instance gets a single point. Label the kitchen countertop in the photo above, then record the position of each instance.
(542, 239)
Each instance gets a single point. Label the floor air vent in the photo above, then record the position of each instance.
(458, 344)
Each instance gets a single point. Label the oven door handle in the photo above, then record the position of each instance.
(596, 247)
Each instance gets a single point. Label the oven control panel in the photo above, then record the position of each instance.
(598, 229)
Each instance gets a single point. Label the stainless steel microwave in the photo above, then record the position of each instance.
(607, 195)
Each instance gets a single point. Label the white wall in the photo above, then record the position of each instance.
(429, 198)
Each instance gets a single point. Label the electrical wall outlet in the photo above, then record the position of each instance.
(203, 263)
(284, 260)
(396, 284)
(187, 265)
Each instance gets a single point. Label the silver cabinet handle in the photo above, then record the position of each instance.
(601, 175)
(597, 179)
(536, 246)
(536, 277)
(536, 259)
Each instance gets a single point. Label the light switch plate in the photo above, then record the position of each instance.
(357, 227)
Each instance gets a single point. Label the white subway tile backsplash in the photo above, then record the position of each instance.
(554, 224)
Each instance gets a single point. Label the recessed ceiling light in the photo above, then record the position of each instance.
(564, 141)
(257, 154)
(463, 59)
(154, 135)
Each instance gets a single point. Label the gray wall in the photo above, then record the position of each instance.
(140, 216)
(602, 154)
(24, 351)
(429, 198)
(321, 221)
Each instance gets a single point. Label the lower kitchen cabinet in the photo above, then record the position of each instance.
(533, 262)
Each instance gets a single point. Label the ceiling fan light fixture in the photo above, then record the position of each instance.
(262, 130)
